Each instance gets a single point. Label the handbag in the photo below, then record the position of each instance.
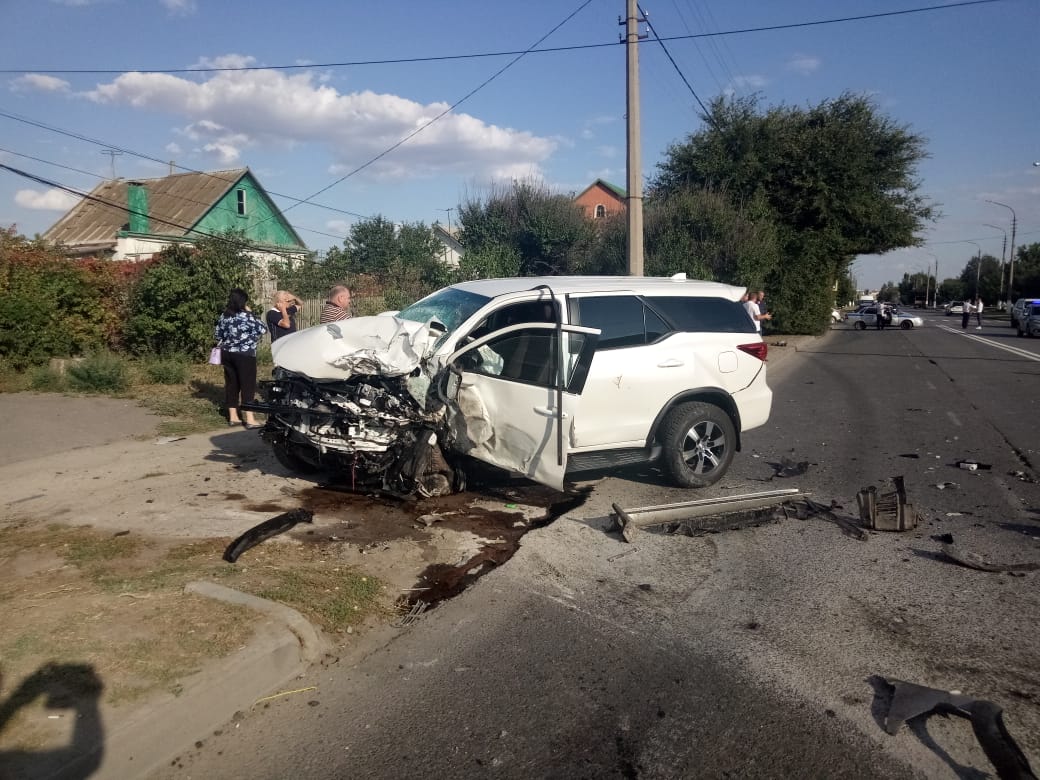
(214, 356)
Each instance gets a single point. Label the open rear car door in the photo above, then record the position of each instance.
(512, 396)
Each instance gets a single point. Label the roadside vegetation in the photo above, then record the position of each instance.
(780, 198)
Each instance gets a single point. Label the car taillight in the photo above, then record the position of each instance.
(759, 349)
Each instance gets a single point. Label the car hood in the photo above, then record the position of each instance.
(383, 346)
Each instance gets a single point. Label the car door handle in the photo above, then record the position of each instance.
(672, 363)
(547, 411)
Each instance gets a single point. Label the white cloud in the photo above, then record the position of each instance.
(39, 82)
(751, 81)
(174, 148)
(179, 7)
(340, 226)
(803, 64)
(235, 109)
(49, 200)
(609, 152)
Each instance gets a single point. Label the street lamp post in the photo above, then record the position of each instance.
(978, 267)
(1003, 257)
(1011, 262)
(935, 292)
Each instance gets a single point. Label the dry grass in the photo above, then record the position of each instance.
(79, 598)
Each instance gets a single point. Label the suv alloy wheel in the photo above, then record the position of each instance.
(698, 441)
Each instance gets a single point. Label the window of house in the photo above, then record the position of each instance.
(601, 211)
(241, 203)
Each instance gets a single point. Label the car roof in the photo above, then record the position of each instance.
(643, 285)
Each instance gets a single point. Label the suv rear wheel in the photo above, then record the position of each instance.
(698, 440)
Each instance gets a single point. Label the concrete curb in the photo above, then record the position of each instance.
(311, 645)
(146, 739)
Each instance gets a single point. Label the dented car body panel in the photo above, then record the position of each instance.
(511, 372)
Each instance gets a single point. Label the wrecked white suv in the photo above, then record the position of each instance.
(544, 377)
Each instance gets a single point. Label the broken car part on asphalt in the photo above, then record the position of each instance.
(976, 561)
(987, 721)
(265, 530)
(886, 511)
(703, 515)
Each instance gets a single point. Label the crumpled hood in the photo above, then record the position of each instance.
(383, 346)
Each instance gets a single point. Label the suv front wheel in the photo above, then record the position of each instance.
(698, 441)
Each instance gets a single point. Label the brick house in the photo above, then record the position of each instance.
(602, 199)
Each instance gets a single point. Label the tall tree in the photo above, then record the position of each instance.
(839, 179)
(545, 229)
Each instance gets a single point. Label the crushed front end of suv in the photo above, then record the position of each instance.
(542, 377)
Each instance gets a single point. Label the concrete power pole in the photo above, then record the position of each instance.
(635, 168)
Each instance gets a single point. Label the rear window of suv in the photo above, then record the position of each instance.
(628, 320)
(704, 315)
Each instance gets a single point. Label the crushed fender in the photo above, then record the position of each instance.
(265, 530)
(987, 721)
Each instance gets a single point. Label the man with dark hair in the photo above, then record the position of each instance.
(337, 307)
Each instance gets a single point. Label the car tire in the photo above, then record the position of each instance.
(292, 461)
(861, 325)
(698, 441)
(906, 325)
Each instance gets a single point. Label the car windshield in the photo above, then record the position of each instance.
(450, 307)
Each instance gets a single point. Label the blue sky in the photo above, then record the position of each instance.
(967, 78)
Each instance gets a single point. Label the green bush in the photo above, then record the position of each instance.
(167, 370)
(45, 379)
(101, 372)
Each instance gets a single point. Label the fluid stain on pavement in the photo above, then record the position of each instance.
(369, 521)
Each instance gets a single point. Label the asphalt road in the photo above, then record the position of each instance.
(750, 653)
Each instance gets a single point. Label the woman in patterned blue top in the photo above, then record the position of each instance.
(238, 332)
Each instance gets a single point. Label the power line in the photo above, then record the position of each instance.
(674, 64)
(141, 155)
(446, 111)
(478, 55)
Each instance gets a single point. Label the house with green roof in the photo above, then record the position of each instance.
(135, 219)
(602, 199)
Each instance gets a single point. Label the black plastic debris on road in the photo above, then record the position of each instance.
(987, 721)
(975, 561)
(265, 530)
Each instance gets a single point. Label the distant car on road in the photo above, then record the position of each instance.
(1018, 310)
(867, 316)
(954, 307)
(1029, 320)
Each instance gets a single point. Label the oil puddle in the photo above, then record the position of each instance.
(496, 515)
(440, 581)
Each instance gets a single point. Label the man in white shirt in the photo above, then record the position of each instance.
(754, 312)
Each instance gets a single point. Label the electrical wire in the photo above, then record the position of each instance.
(532, 50)
(674, 63)
(141, 155)
(446, 111)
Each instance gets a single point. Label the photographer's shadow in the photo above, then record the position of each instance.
(75, 687)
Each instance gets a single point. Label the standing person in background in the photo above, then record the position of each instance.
(238, 332)
(978, 313)
(755, 312)
(337, 307)
(281, 318)
(967, 307)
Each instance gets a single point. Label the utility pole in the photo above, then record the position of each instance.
(635, 172)
(1011, 263)
(449, 218)
(1003, 258)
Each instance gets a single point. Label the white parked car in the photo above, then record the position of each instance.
(867, 318)
(540, 376)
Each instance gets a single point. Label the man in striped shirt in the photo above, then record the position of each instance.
(337, 307)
